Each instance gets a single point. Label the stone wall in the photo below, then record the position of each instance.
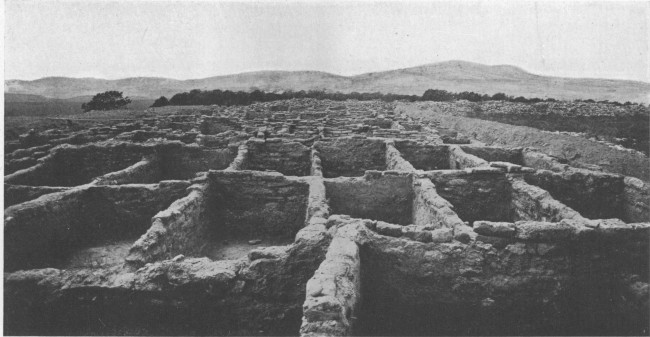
(636, 200)
(40, 231)
(395, 160)
(575, 149)
(16, 194)
(351, 157)
(179, 229)
(386, 196)
(595, 195)
(250, 203)
(429, 208)
(423, 156)
(215, 125)
(459, 159)
(69, 165)
(333, 293)
(289, 158)
(481, 194)
(533, 203)
(543, 276)
(184, 161)
(146, 171)
(493, 153)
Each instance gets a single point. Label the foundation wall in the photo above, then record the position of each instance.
(334, 292)
(478, 195)
(253, 203)
(146, 171)
(533, 203)
(16, 194)
(377, 196)
(395, 161)
(429, 208)
(183, 162)
(513, 155)
(594, 195)
(411, 288)
(288, 158)
(39, 231)
(459, 159)
(182, 228)
(216, 125)
(424, 157)
(636, 200)
(350, 157)
(71, 165)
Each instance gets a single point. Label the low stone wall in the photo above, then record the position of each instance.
(215, 125)
(636, 200)
(350, 157)
(459, 159)
(69, 165)
(533, 203)
(385, 196)
(40, 231)
(289, 158)
(248, 202)
(180, 161)
(394, 159)
(594, 195)
(491, 153)
(146, 171)
(333, 292)
(180, 229)
(477, 194)
(16, 194)
(537, 273)
(575, 149)
(424, 156)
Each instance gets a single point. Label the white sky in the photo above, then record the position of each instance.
(184, 40)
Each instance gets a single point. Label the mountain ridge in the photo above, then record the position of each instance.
(452, 76)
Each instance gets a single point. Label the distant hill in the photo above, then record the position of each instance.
(455, 76)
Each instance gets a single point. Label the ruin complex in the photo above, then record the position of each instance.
(314, 218)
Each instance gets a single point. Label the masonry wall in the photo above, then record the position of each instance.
(595, 195)
(184, 161)
(489, 153)
(258, 204)
(182, 228)
(636, 200)
(429, 208)
(15, 194)
(483, 194)
(70, 165)
(288, 158)
(424, 157)
(554, 279)
(38, 232)
(378, 196)
(351, 157)
(533, 203)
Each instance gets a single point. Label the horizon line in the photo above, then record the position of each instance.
(330, 73)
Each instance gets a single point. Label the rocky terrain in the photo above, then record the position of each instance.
(317, 218)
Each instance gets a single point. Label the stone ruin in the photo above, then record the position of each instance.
(341, 219)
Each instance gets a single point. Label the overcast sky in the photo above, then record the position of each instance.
(183, 40)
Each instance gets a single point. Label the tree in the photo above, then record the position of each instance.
(162, 101)
(437, 95)
(109, 100)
